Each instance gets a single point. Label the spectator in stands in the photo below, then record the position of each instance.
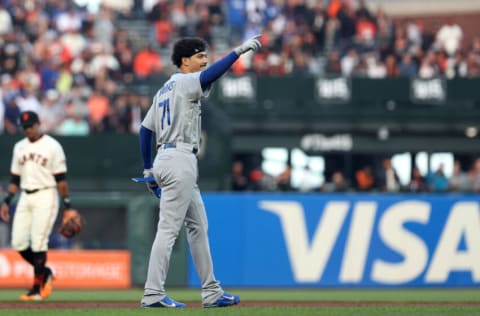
(308, 180)
(284, 179)
(139, 110)
(254, 10)
(388, 180)
(103, 62)
(441, 61)
(103, 27)
(236, 16)
(119, 118)
(203, 27)
(408, 66)
(473, 65)
(449, 37)
(215, 12)
(260, 62)
(417, 182)
(6, 24)
(460, 180)
(414, 34)
(239, 181)
(347, 25)
(178, 18)
(159, 9)
(475, 50)
(362, 11)
(164, 31)
(28, 101)
(428, 67)
(457, 66)
(68, 20)
(401, 44)
(75, 41)
(98, 108)
(65, 79)
(391, 68)
(11, 114)
(333, 63)
(349, 62)
(437, 181)
(49, 73)
(365, 181)
(52, 113)
(10, 60)
(317, 18)
(2, 115)
(337, 183)
(375, 67)
(475, 176)
(123, 52)
(255, 179)
(366, 32)
(146, 63)
(75, 123)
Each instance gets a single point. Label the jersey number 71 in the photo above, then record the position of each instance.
(166, 110)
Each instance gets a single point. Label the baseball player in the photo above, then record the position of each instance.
(174, 117)
(38, 169)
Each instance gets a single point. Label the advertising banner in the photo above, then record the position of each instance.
(344, 240)
(72, 269)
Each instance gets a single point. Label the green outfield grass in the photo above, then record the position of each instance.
(466, 302)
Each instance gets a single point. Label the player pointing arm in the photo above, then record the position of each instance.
(175, 118)
(207, 77)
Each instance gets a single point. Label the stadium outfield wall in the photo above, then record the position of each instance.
(344, 240)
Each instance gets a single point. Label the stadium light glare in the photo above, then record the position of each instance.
(471, 132)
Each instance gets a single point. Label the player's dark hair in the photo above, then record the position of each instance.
(187, 47)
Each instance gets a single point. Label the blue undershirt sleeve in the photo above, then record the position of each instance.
(216, 70)
(146, 137)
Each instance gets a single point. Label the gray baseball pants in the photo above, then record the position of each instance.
(176, 171)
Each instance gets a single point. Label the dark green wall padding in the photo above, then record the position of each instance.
(142, 215)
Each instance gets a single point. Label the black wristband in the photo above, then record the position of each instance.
(66, 203)
(9, 198)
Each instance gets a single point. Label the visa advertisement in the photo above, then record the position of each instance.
(344, 240)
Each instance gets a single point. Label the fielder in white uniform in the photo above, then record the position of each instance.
(38, 169)
(174, 117)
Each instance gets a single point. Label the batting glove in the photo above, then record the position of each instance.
(152, 186)
(252, 44)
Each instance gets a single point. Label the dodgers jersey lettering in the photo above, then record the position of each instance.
(175, 114)
(36, 163)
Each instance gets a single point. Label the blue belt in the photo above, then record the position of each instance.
(171, 145)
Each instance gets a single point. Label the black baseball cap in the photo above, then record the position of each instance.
(28, 118)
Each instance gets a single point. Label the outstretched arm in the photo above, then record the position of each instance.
(217, 69)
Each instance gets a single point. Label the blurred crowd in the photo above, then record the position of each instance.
(73, 67)
(315, 37)
(366, 179)
(78, 70)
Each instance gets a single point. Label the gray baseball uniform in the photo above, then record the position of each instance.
(175, 116)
